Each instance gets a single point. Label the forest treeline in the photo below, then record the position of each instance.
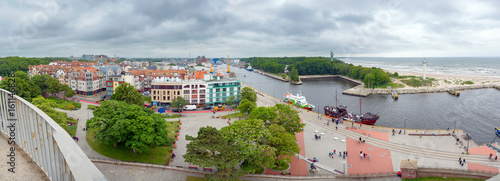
(14, 64)
(319, 66)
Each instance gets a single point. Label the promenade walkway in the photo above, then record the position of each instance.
(25, 169)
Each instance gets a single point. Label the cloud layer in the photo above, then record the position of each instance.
(241, 28)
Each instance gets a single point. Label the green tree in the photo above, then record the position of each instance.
(68, 91)
(20, 88)
(47, 107)
(246, 106)
(266, 114)
(294, 75)
(284, 142)
(41, 81)
(53, 86)
(134, 126)
(178, 102)
(249, 94)
(230, 101)
(22, 75)
(250, 136)
(127, 93)
(288, 119)
(211, 148)
(246, 65)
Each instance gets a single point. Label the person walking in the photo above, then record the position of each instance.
(393, 131)
(464, 160)
(360, 125)
(368, 156)
(460, 159)
(340, 154)
(495, 156)
(361, 155)
(364, 155)
(346, 153)
(334, 151)
(491, 155)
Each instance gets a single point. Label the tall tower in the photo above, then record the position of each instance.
(228, 71)
(331, 55)
(425, 63)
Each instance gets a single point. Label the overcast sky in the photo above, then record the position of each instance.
(240, 28)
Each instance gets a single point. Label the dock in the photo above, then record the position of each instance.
(453, 92)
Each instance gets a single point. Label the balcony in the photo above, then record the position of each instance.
(44, 141)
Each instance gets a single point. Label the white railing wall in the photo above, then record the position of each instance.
(49, 145)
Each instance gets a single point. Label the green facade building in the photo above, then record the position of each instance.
(220, 89)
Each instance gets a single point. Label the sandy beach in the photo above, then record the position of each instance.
(444, 81)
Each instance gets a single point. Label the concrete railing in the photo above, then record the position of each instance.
(49, 145)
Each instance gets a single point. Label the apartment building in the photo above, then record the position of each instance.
(85, 81)
(194, 91)
(219, 89)
(164, 90)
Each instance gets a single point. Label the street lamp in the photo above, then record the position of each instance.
(318, 109)
(468, 138)
(405, 124)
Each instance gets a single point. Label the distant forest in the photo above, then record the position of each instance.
(319, 66)
(14, 64)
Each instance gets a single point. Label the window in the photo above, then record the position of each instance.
(202, 96)
(163, 98)
(202, 86)
(178, 92)
(224, 90)
(217, 90)
(194, 96)
(186, 91)
(163, 92)
(168, 92)
(195, 91)
(202, 91)
(168, 98)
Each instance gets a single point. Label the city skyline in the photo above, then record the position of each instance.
(249, 28)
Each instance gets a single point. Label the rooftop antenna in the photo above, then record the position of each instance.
(425, 63)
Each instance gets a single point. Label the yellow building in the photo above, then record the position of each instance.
(164, 90)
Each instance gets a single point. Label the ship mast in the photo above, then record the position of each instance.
(360, 107)
(336, 100)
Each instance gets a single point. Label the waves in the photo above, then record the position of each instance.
(476, 66)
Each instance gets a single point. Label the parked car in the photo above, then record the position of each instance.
(176, 110)
(189, 107)
(207, 108)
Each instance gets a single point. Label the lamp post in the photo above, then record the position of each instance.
(344, 167)
(468, 138)
(318, 109)
(405, 124)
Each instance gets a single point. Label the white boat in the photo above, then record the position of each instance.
(298, 100)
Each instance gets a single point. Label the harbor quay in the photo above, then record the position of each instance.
(435, 151)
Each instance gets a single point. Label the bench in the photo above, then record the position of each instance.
(207, 169)
(193, 167)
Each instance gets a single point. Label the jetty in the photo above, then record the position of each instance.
(271, 75)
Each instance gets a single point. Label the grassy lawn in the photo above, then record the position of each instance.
(395, 85)
(158, 155)
(280, 166)
(168, 116)
(91, 106)
(441, 179)
(64, 104)
(417, 82)
(72, 128)
(235, 115)
(260, 170)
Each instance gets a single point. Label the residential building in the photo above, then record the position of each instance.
(85, 81)
(112, 82)
(219, 89)
(194, 91)
(133, 80)
(164, 90)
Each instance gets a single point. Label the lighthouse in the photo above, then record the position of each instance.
(425, 63)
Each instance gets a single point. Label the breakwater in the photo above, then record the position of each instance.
(271, 75)
(434, 89)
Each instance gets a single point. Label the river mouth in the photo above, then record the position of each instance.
(476, 111)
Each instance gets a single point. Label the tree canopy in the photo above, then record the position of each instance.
(246, 106)
(23, 86)
(134, 126)
(14, 64)
(281, 115)
(249, 94)
(127, 93)
(178, 102)
(294, 74)
(319, 66)
(211, 148)
(284, 142)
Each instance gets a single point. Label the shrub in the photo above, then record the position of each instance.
(70, 107)
(468, 82)
(77, 105)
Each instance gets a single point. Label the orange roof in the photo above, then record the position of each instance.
(200, 74)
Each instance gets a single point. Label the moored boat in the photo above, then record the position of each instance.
(337, 111)
(298, 100)
(367, 118)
